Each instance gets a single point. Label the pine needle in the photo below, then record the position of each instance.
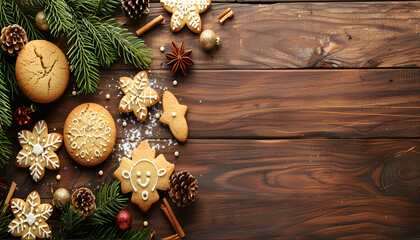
(58, 15)
(4, 220)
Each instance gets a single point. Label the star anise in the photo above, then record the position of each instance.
(179, 58)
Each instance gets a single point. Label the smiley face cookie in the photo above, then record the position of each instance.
(138, 95)
(89, 134)
(186, 12)
(143, 175)
(38, 150)
(174, 116)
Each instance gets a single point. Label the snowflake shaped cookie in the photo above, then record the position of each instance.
(38, 150)
(30, 217)
(138, 96)
(143, 175)
(186, 12)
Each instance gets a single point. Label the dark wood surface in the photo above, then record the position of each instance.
(278, 153)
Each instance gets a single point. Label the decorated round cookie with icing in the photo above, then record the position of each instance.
(89, 134)
(186, 12)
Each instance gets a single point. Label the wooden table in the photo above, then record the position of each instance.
(281, 148)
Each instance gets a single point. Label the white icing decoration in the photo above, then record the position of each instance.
(128, 175)
(186, 9)
(138, 96)
(144, 195)
(27, 217)
(40, 151)
(86, 128)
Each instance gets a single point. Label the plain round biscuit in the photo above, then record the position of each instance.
(69, 138)
(42, 71)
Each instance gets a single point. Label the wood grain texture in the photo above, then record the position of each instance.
(296, 35)
(268, 104)
(258, 189)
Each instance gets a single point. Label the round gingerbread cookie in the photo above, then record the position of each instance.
(89, 134)
(42, 71)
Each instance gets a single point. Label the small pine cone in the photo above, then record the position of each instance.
(135, 8)
(83, 201)
(182, 188)
(13, 38)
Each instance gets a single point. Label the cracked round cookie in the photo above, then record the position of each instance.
(89, 134)
(42, 71)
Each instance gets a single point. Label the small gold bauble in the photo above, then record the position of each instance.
(61, 198)
(208, 39)
(41, 22)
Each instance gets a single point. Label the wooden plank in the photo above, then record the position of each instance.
(268, 104)
(296, 35)
(252, 189)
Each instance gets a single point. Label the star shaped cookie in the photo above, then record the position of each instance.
(143, 174)
(174, 116)
(30, 217)
(38, 150)
(138, 96)
(186, 12)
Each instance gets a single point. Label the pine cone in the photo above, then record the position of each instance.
(135, 8)
(83, 201)
(183, 188)
(13, 38)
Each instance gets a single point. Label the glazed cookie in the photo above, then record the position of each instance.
(42, 71)
(138, 96)
(89, 134)
(174, 116)
(38, 150)
(143, 175)
(186, 12)
(30, 217)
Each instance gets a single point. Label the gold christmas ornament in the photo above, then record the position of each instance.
(41, 21)
(60, 198)
(208, 39)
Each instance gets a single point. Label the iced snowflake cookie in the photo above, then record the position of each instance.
(186, 12)
(138, 96)
(89, 134)
(143, 175)
(174, 116)
(38, 150)
(30, 217)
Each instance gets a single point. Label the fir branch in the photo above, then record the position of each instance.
(109, 202)
(4, 220)
(128, 47)
(100, 225)
(59, 17)
(27, 22)
(71, 224)
(5, 13)
(5, 111)
(5, 149)
(104, 50)
(83, 61)
(7, 67)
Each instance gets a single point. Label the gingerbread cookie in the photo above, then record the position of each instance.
(186, 12)
(38, 150)
(174, 116)
(138, 96)
(30, 217)
(143, 175)
(89, 134)
(42, 71)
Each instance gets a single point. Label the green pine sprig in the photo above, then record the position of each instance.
(100, 225)
(5, 218)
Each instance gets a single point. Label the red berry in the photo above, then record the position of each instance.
(123, 220)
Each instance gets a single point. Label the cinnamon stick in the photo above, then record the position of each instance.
(152, 235)
(224, 18)
(172, 237)
(223, 13)
(11, 191)
(166, 208)
(158, 20)
(10, 194)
